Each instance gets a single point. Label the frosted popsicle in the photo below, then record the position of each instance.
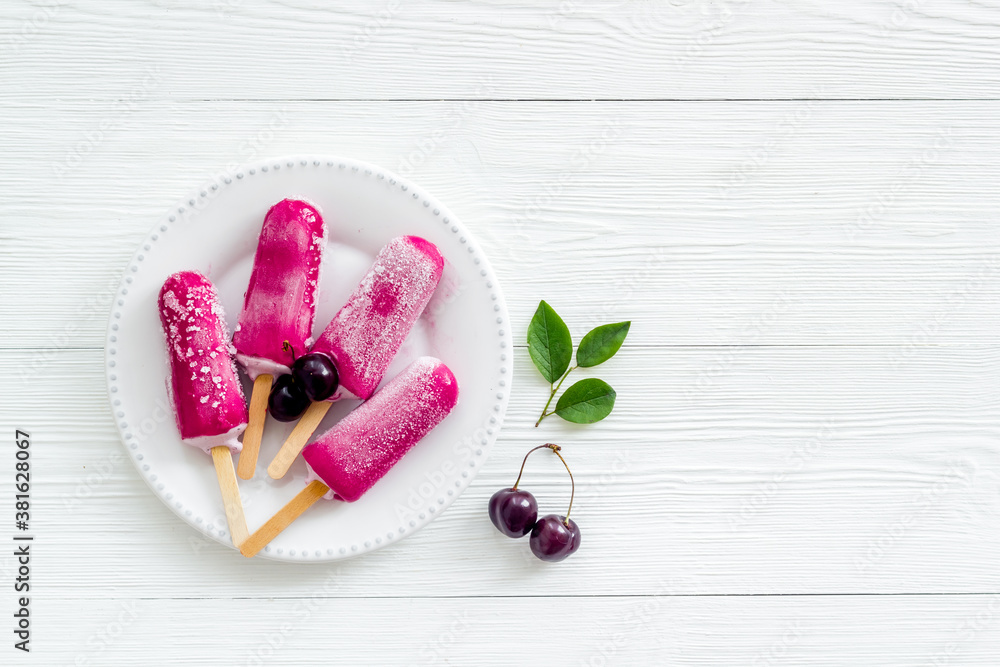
(351, 457)
(367, 332)
(279, 306)
(204, 388)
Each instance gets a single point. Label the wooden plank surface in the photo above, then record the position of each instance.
(795, 203)
(558, 49)
(786, 470)
(715, 223)
(648, 630)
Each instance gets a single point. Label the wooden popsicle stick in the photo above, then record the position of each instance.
(226, 473)
(298, 438)
(277, 523)
(255, 427)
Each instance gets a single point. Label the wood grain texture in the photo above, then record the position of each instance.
(721, 223)
(222, 458)
(297, 439)
(302, 501)
(791, 470)
(617, 49)
(795, 204)
(812, 631)
(255, 428)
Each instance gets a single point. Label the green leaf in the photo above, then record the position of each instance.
(601, 344)
(549, 343)
(586, 402)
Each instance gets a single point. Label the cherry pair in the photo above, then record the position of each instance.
(515, 514)
(314, 377)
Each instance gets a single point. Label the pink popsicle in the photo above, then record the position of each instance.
(280, 302)
(366, 333)
(278, 308)
(352, 456)
(204, 389)
(364, 445)
(206, 393)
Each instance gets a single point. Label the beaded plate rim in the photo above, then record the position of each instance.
(418, 197)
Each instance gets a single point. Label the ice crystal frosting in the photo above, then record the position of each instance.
(364, 445)
(205, 390)
(366, 333)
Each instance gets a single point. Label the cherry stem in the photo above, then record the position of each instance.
(518, 481)
(555, 450)
(553, 395)
(288, 347)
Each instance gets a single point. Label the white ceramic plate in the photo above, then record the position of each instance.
(215, 231)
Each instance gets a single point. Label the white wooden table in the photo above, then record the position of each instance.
(795, 203)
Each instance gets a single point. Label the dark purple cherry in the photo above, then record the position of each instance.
(554, 538)
(317, 375)
(513, 512)
(287, 401)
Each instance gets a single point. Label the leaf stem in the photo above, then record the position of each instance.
(553, 395)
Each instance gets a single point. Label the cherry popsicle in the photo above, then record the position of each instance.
(204, 388)
(278, 308)
(364, 336)
(352, 456)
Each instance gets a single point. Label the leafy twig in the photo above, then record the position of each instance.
(551, 349)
